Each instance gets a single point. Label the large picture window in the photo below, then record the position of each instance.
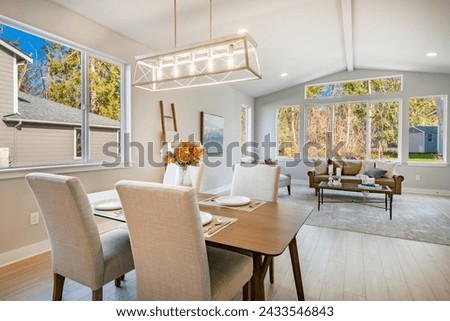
(45, 86)
(288, 129)
(356, 130)
(427, 129)
(370, 86)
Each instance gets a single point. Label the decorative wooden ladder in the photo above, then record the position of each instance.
(165, 117)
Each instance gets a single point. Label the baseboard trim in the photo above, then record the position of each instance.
(31, 250)
(426, 191)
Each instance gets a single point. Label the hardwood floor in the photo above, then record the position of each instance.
(336, 265)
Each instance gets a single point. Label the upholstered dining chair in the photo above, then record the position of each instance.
(256, 181)
(79, 252)
(260, 182)
(170, 254)
(193, 175)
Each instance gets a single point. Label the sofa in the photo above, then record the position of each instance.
(351, 171)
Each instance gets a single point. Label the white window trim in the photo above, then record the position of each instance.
(351, 80)
(75, 129)
(444, 162)
(287, 158)
(368, 122)
(125, 97)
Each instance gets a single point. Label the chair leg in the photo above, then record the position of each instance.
(97, 295)
(246, 291)
(289, 189)
(271, 271)
(58, 286)
(118, 280)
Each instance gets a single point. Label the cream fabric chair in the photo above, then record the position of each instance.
(256, 181)
(170, 254)
(193, 175)
(260, 182)
(78, 251)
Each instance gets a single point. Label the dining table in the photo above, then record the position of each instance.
(263, 233)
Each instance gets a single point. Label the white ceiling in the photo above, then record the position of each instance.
(305, 38)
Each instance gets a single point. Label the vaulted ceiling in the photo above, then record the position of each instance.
(306, 39)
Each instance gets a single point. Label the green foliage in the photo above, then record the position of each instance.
(422, 112)
(354, 88)
(104, 88)
(58, 78)
(288, 131)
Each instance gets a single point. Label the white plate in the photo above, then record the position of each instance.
(108, 205)
(206, 217)
(232, 200)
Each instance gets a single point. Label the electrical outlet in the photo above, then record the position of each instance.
(34, 218)
(417, 177)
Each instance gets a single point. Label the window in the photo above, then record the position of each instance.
(427, 129)
(288, 129)
(244, 125)
(356, 130)
(354, 87)
(384, 126)
(52, 81)
(77, 143)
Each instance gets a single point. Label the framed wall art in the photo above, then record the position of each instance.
(212, 133)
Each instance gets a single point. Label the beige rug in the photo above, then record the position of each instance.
(415, 217)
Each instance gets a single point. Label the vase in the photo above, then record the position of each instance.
(180, 175)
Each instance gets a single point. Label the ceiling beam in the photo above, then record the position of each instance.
(346, 6)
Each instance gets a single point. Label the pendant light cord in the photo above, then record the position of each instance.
(210, 19)
(175, 23)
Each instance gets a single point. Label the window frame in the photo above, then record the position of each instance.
(331, 105)
(299, 152)
(349, 81)
(444, 162)
(125, 107)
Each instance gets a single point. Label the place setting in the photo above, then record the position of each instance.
(242, 203)
(110, 208)
(212, 224)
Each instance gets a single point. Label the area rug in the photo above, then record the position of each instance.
(415, 217)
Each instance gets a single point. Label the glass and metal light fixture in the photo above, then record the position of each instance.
(217, 61)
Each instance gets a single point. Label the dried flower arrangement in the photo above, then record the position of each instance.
(185, 153)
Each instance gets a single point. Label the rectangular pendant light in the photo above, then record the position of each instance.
(217, 61)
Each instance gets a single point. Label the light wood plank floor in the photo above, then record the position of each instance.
(336, 265)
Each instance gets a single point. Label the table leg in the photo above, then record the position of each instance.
(391, 196)
(318, 200)
(296, 269)
(257, 281)
(385, 201)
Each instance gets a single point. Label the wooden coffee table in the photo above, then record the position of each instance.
(353, 187)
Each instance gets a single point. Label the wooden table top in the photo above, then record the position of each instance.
(267, 230)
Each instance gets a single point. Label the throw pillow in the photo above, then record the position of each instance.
(322, 168)
(375, 172)
(351, 167)
(366, 165)
(389, 167)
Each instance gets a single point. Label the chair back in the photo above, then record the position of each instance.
(72, 231)
(256, 181)
(167, 241)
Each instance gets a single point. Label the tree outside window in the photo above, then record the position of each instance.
(427, 129)
(288, 129)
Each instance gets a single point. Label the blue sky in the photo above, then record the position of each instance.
(29, 44)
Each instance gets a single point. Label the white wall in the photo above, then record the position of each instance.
(434, 179)
(16, 200)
